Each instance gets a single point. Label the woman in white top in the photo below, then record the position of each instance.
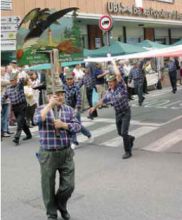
(31, 102)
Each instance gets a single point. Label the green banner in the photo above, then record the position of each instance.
(43, 30)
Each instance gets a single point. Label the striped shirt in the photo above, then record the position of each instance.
(88, 81)
(172, 66)
(47, 131)
(118, 98)
(15, 93)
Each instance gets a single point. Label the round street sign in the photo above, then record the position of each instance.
(105, 23)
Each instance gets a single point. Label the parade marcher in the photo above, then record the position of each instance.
(180, 73)
(100, 81)
(117, 96)
(138, 78)
(55, 153)
(5, 105)
(35, 82)
(73, 99)
(41, 77)
(145, 70)
(12, 119)
(89, 83)
(126, 70)
(31, 102)
(172, 70)
(16, 94)
(78, 73)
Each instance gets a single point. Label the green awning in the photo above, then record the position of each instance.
(46, 66)
(178, 43)
(151, 44)
(7, 57)
(115, 49)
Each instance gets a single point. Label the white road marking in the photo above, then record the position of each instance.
(97, 132)
(116, 142)
(112, 120)
(165, 142)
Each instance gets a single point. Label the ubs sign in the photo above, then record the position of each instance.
(119, 8)
(166, 1)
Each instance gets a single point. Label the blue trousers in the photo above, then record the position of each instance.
(83, 130)
(4, 118)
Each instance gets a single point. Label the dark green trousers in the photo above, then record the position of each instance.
(50, 162)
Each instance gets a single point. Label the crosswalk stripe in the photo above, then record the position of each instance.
(113, 120)
(97, 132)
(165, 142)
(109, 120)
(115, 142)
(172, 103)
(88, 123)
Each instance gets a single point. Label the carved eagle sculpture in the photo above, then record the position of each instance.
(40, 20)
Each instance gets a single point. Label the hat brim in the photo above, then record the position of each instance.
(51, 92)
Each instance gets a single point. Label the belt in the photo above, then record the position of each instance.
(55, 149)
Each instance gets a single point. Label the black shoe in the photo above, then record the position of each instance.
(51, 218)
(9, 132)
(127, 155)
(65, 215)
(6, 135)
(76, 143)
(132, 141)
(90, 117)
(16, 141)
(27, 137)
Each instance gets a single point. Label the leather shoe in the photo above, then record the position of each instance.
(127, 155)
(6, 135)
(27, 137)
(9, 132)
(16, 141)
(65, 215)
(52, 218)
(132, 141)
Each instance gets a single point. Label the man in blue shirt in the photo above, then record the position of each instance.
(117, 96)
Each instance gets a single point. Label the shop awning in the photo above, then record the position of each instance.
(116, 48)
(178, 42)
(47, 66)
(151, 44)
(172, 51)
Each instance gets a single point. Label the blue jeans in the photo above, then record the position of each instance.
(83, 130)
(172, 77)
(4, 118)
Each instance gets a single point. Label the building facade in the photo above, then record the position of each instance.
(133, 20)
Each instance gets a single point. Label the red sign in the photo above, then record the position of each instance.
(105, 23)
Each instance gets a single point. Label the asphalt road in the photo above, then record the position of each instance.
(145, 187)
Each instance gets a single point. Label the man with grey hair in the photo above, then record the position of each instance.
(55, 152)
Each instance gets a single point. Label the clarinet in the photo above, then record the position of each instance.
(57, 130)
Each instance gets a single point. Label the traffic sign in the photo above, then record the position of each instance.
(9, 27)
(8, 35)
(6, 5)
(10, 20)
(105, 23)
(8, 45)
